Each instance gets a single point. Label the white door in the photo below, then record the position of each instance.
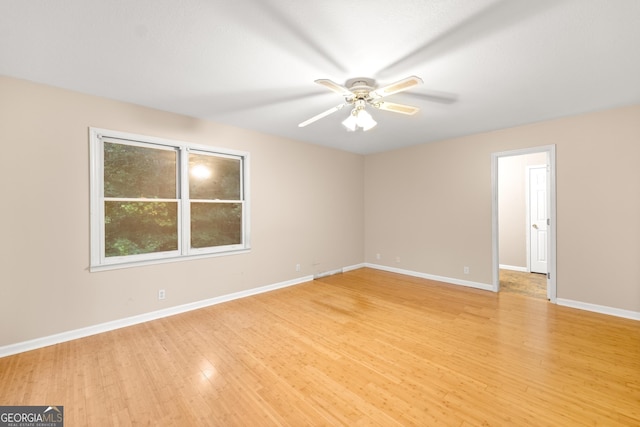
(538, 214)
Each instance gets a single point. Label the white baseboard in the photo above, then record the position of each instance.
(612, 311)
(338, 271)
(603, 309)
(327, 273)
(134, 320)
(353, 267)
(449, 280)
(513, 268)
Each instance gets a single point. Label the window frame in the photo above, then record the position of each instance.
(99, 261)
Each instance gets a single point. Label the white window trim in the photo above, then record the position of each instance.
(98, 260)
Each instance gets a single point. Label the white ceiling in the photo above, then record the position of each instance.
(486, 64)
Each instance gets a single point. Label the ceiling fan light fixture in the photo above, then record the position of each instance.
(351, 122)
(359, 118)
(365, 121)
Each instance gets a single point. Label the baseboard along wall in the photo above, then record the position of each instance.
(602, 309)
(513, 268)
(134, 320)
(468, 283)
(130, 321)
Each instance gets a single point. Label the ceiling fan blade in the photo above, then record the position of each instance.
(321, 115)
(335, 87)
(396, 87)
(434, 96)
(397, 108)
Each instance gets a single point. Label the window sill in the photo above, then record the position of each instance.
(120, 265)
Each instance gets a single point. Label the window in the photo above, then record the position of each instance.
(157, 200)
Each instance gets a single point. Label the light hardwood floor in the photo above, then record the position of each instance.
(360, 348)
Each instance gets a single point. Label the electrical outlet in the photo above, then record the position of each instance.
(397, 259)
(162, 294)
(466, 270)
(297, 267)
(377, 256)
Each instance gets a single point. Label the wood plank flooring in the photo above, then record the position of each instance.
(530, 284)
(356, 349)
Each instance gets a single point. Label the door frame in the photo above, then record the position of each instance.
(551, 198)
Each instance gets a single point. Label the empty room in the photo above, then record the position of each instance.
(338, 213)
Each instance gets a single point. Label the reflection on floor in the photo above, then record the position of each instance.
(529, 284)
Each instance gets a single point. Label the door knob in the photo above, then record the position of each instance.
(535, 226)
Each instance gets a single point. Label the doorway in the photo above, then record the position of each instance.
(523, 212)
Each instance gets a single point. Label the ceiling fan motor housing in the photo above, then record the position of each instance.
(361, 87)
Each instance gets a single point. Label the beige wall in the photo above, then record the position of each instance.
(307, 208)
(430, 205)
(512, 202)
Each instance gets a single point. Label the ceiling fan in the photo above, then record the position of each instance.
(361, 92)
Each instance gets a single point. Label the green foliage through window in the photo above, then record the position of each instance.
(214, 224)
(140, 227)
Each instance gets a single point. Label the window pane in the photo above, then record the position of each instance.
(213, 177)
(140, 227)
(216, 224)
(139, 172)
